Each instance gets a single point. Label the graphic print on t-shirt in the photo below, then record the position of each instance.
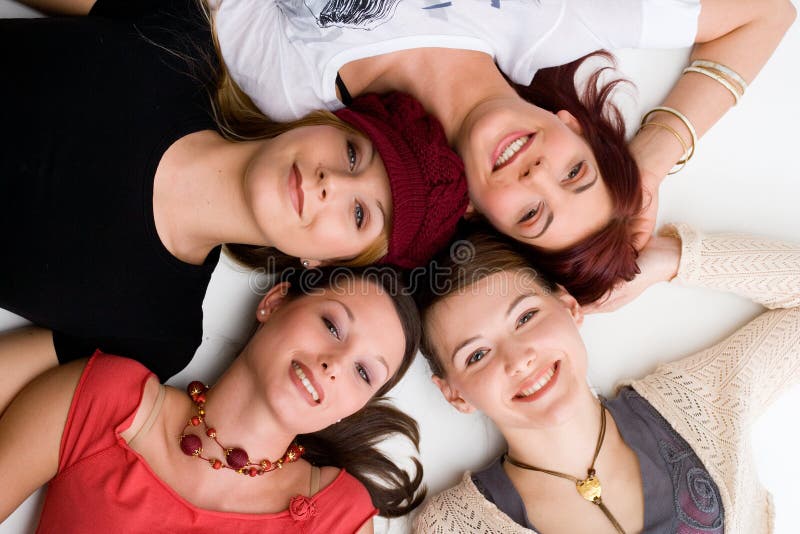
(357, 14)
(351, 13)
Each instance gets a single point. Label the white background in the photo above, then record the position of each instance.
(744, 177)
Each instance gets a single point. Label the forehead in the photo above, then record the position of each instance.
(468, 309)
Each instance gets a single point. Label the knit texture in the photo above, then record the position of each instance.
(429, 188)
(711, 398)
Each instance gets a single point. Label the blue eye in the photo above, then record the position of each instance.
(332, 329)
(525, 317)
(352, 155)
(476, 356)
(358, 214)
(362, 372)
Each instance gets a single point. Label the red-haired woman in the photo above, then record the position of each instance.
(545, 165)
(282, 442)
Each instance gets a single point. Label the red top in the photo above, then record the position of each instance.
(103, 485)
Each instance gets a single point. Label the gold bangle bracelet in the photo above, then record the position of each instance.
(681, 162)
(727, 71)
(683, 119)
(714, 76)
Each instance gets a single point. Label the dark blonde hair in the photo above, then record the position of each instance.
(477, 252)
(238, 119)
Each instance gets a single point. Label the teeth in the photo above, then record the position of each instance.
(304, 379)
(511, 149)
(542, 382)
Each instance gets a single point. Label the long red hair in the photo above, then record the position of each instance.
(592, 266)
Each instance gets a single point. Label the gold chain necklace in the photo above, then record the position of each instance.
(589, 488)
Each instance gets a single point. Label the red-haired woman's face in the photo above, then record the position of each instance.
(532, 174)
(512, 350)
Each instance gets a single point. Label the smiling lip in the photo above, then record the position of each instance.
(531, 381)
(301, 387)
(296, 190)
(504, 143)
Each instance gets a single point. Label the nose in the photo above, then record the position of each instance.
(519, 360)
(531, 169)
(330, 368)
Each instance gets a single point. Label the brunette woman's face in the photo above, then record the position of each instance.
(319, 192)
(511, 349)
(321, 357)
(532, 174)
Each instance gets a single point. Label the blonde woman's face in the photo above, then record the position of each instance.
(319, 192)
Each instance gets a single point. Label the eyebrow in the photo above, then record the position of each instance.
(346, 309)
(583, 188)
(550, 216)
(517, 301)
(461, 346)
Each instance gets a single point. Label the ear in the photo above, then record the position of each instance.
(570, 304)
(470, 209)
(310, 264)
(569, 119)
(276, 296)
(452, 395)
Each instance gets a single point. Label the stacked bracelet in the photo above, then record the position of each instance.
(688, 150)
(723, 75)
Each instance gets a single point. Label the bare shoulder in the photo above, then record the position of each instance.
(150, 394)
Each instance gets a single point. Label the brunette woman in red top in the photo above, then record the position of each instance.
(280, 443)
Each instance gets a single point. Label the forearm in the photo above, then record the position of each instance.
(740, 35)
(32, 427)
(24, 354)
(766, 271)
(60, 7)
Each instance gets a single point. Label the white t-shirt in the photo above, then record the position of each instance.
(285, 54)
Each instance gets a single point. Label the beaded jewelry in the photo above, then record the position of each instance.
(236, 458)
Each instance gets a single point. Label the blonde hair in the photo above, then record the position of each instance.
(238, 119)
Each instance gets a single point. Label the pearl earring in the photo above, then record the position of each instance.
(262, 312)
(305, 264)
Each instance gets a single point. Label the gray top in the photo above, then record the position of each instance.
(679, 494)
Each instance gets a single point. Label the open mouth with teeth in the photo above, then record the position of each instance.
(542, 384)
(511, 150)
(305, 381)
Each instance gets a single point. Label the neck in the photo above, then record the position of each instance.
(449, 83)
(570, 446)
(234, 407)
(198, 196)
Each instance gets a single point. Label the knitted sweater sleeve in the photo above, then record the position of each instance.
(712, 398)
(465, 510)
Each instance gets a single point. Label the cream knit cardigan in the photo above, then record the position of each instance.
(711, 398)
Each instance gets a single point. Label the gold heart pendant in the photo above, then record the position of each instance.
(589, 488)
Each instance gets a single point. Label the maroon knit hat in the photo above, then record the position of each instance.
(429, 189)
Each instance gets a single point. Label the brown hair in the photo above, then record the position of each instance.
(592, 266)
(478, 252)
(352, 443)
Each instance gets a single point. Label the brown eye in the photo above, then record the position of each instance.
(575, 171)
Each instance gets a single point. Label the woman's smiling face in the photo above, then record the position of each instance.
(320, 192)
(532, 174)
(323, 356)
(511, 349)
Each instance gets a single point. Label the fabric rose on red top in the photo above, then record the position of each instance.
(301, 508)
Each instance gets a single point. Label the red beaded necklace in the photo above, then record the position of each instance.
(236, 458)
